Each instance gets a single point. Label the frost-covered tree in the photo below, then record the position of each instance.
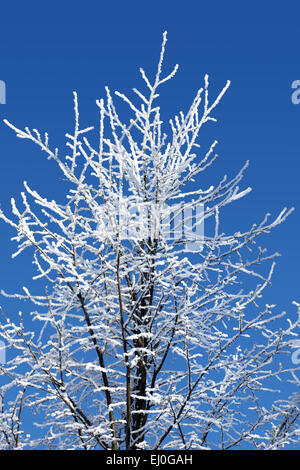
(144, 337)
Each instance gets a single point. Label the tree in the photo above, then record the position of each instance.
(148, 337)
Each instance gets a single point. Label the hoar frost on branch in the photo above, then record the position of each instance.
(141, 344)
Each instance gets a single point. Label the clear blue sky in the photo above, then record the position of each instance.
(49, 49)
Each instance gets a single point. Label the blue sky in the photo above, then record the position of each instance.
(47, 50)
